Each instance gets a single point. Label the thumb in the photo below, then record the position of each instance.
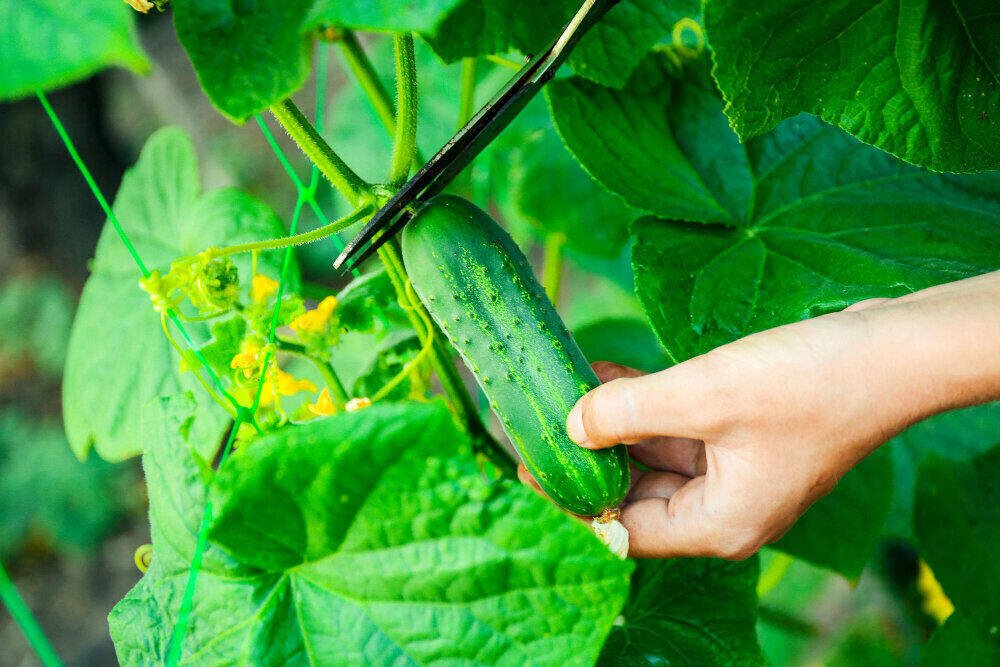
(628, 410)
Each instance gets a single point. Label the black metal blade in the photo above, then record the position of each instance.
(361, 255)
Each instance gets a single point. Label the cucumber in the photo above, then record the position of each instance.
(480, 289)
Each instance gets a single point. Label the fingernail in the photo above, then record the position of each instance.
(574, 427)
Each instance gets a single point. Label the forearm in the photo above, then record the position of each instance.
(942, 345)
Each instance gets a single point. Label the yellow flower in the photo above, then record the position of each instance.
(356, 404)
(262, 288)
(277, 383)
(249, 358)
(140, 6)
(287, 384)
(323, 406)
(936, 603)
(316, 320)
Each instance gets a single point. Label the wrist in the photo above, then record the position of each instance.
(939, 348)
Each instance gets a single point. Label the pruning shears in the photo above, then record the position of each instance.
(468, 142)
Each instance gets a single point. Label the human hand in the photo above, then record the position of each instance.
(740, 441)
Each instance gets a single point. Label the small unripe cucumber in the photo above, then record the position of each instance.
(480, 289)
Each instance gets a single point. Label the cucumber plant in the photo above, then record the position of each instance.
(323, 486)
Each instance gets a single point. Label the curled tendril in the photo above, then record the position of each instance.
(683, 50)
(143, 557)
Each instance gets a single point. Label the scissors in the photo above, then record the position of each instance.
(468, 142)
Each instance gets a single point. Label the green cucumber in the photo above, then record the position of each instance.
(480, 289)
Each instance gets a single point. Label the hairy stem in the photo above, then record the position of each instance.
(405, 143)
(348, 183)
(299, 239)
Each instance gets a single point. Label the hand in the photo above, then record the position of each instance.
(740, 441)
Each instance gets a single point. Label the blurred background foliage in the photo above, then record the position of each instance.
(68, 530)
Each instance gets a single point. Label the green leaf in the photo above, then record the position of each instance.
(959, 435)
(688, 612)
(51, 43)
(382, 15)
(176, 445)
(538, 186)
(960, 642)
(35, 317)
(614, 47)
(830, 220)
(393, 353)
(956, 515)
(918, 79)
(841, 531)
(46, 492)
(119, 358)
(623, 340)
(363, 538)
(248, 55)
(173, 434)
(478, 27)
(608, 53)
(684, 163)
(358, 303)
(227, 338)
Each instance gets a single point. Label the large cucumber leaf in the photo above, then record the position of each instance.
(118, 357)
(364, 539)
(51, 43)
(808, 219)
(248, 55)
(688, 612)
(917, 78)
(956, 515)
(660, 144)
(801, 221)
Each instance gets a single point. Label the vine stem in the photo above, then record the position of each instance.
(553, 264)
(355, 189)
(405, 144)
(299, 239)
